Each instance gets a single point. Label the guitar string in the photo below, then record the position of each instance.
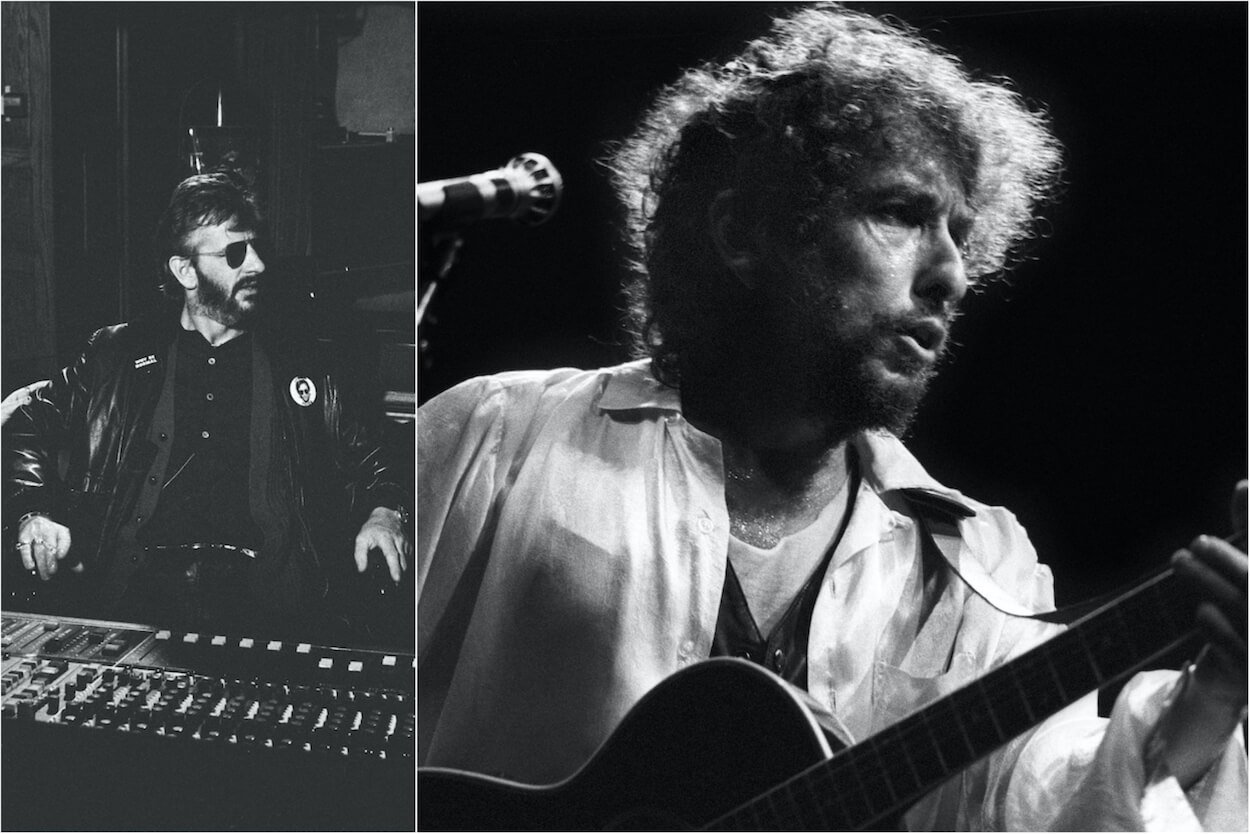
(987, 692)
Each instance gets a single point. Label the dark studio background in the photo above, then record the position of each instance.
(1101, 395)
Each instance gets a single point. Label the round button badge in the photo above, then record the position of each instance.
(303, 392)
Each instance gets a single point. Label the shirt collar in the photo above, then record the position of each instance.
(886, 463)
(194, 344)
(887, 466)
(631, 386)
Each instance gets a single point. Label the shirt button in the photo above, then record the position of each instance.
(212, 360)
(705, 525)
(164, 436)
(778, 660)
(204, 435)
(152, 479)
(209, 397)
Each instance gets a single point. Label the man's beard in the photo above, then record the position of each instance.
(856, 394)
(222, 306)
(829, 358)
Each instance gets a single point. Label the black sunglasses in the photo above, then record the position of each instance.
(235, 253)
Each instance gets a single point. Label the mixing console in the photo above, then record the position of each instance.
(244, 706)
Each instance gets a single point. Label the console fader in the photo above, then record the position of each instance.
(253, 716)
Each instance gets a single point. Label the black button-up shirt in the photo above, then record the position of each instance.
(206, 493)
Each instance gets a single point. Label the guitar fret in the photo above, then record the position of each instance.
(1042, 683)
(863, 751)
(813, 800)
(989, 708)
(743, 818)
(1054, 676)
(794, 807)
(937, 746)
(898, 735)
(883, 768)
(976, 715)
(851, 803)
(793, 803)
(927, 760)
(1126, 630)
(1079, 636)
(1024, 697)
(773, 816)
(757, 816)
(749, 817)
(733, 820)
(836, 814)
(899, 771)
(1082, 675)
(957, 721)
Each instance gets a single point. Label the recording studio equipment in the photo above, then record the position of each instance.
(118, 725)
(216, 119)
(527, 190)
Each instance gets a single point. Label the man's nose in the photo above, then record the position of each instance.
(253, 262)
(942, 279)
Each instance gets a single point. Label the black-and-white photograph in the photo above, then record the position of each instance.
(209, 407)
(831, 415)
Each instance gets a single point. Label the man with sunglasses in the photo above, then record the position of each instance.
(216, 472)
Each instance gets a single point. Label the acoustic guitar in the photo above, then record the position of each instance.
(724, 744)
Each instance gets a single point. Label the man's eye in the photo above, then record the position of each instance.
(961, 233)
(902, 214)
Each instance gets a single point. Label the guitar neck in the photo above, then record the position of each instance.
(872, 783)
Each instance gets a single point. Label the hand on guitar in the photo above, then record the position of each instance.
(1213, 703)
(1217, 571)
(43, 545)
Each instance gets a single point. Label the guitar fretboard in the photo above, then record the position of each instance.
(872, 783)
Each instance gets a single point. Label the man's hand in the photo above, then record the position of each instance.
(43, 545)
(1218, 571)
(384, 530)
(1209, 709)
(19, 398)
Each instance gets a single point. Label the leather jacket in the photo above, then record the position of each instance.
(79, 451)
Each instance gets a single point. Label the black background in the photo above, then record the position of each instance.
(1101, 394)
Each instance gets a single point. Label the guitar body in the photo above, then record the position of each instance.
(726, 736)
(705, 741)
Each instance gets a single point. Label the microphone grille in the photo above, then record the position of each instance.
(540, 191)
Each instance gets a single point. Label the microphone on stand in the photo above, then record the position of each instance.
(526, 190)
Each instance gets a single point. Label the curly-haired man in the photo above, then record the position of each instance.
(804, 221)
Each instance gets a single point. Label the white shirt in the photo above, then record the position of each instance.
(771, 577)
(572, 541)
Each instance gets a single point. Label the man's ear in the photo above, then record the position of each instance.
(737, 244)
(183, 271)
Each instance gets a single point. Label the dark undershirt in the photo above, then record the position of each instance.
(206, 494)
